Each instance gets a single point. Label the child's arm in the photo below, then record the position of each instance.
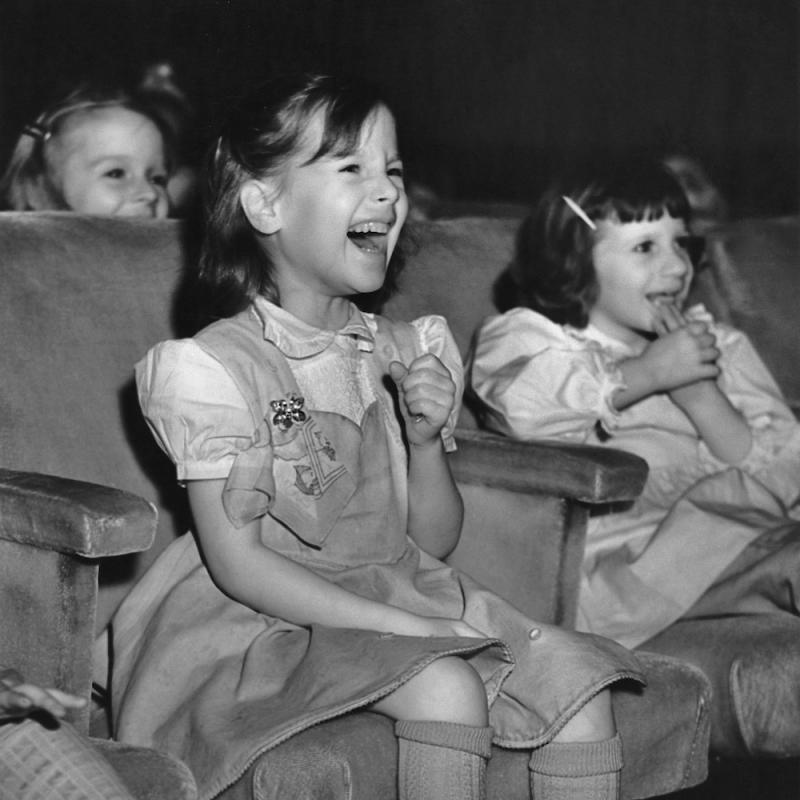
(724, 430)
(19, 699)
(435, 509)
(676, 358)
(258, 577)
(683, 362)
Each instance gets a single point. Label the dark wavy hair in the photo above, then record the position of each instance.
(262, 132)
(552, 271)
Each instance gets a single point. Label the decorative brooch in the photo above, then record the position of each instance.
(288, 411)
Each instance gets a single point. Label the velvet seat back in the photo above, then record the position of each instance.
(84, 298)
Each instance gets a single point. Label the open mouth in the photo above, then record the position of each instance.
(664, 298)
(370, 237)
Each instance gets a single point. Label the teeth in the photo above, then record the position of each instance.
(370, 227)
(661, 297)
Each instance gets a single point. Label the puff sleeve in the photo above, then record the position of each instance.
(434, 336)
(536, 378)
(194, 409)
(774, 458)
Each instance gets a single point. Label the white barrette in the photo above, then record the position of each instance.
(579, 211)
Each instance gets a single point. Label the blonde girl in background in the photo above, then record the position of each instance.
(93, 152)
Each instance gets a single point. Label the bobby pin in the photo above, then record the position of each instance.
(579, 211)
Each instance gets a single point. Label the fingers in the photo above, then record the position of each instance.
(397, 371)
(26, 697)
(668, 318)
(10, 678)
(13, 704)
(66, 699)
(426, 388)
(465, 629)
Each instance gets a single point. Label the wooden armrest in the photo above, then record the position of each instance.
(587, 473)
(73, 517)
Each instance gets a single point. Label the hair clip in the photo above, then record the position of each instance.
(579, 211)
(37, 131)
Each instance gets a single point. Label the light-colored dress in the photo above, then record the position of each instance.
(302, 427)
(646, 565)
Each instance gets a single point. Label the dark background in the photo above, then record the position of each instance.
(491, 95)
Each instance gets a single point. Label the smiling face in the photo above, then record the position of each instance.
(110, 161)
(639, 265)
(336, 220)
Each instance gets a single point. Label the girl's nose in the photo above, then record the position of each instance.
(385, 190)
(678, 262)
(145, 191)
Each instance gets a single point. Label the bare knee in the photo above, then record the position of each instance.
(447, 690)
(593, 723)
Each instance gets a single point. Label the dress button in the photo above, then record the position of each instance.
(534, 633)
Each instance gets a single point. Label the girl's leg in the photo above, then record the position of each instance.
(444, 738)
(584, 759)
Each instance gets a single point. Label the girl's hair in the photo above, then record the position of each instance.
(262, 133)
(552, 271)
(26, 184)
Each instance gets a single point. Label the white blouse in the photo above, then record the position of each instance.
(644, 566)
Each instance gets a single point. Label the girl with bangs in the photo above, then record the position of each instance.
(598, 344)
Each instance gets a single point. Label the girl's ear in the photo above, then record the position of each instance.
(258, 199)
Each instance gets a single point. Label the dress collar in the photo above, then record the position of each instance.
(593, 334)
(297, 339)
(697, 312)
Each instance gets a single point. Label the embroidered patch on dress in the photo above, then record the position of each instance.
(288, 411)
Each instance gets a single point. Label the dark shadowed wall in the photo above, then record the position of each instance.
(492, 95)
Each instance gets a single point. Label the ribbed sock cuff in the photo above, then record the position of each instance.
(467, 738)
(578, 759)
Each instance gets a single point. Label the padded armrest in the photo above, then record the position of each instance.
(581, 472)
(73, 517)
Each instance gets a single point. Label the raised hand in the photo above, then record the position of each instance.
(685, 351)
(427, 395)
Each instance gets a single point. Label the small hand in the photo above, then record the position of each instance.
(19, 699)
(684, 352)
(668, 318)
(427, 396)
(441, 627)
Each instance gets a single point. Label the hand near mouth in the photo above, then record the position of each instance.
(685, 351)
(668, 317)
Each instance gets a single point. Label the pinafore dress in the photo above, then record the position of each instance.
(216, 683)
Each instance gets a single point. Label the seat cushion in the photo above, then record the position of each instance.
(148, 774)
(665, 728)
(753, 663)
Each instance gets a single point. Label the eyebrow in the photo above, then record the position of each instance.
(95, 162)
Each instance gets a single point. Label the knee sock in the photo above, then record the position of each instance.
(37, 763)
(572, 770)
(442, 760)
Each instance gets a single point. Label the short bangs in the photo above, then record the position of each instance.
(634, 194)
(345, 109)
